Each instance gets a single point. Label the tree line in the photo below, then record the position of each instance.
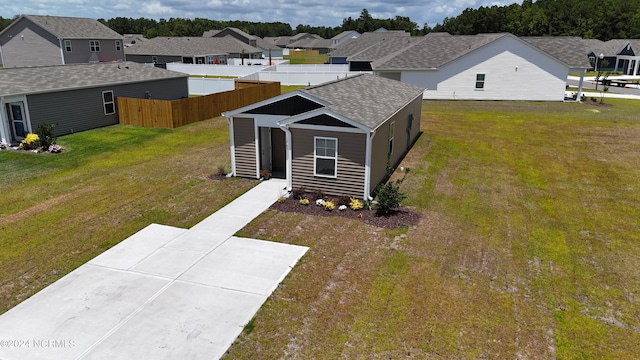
(589, 19)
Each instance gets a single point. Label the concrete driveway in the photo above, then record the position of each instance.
(163, 293)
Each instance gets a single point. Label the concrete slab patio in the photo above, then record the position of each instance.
(163, 293)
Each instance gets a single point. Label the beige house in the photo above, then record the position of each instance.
(338, 137)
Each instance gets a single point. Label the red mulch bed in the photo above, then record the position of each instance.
(404, 216)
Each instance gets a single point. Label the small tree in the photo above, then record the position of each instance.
(45, 135)
(390, 196)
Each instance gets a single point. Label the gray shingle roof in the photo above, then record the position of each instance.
(568, 49)
(74, 28)
(384, 48)
(43, 79)
(310, 43)
(438, 49)
(353, 46)
(367, 99)
(190, 46)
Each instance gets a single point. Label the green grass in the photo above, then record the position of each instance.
(307, 59)
(289, 88)
(527, 247)
(60, 210)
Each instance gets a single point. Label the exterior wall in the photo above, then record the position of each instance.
(81, 52)
(26, 44)
(78, 110)
(148, 59)
(513, 71)
(244, 142)
(351, 161)
(402, 140)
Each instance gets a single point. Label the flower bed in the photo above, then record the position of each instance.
(404, 216)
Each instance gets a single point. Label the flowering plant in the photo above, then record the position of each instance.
(320, 202)
(30, 141)
(355, 204)
(342, 207)
(55, 148)
(304, 201)
(328, 205)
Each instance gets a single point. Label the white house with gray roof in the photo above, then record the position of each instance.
(77, 97)
(487, 66)
(338, 137)
(33, 40)
(191, 50)
(268, 48)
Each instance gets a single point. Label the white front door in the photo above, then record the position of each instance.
(17, 121)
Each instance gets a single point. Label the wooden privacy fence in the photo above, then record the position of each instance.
(176, 113)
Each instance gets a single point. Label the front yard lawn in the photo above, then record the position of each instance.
(60, 210)
(528, 247)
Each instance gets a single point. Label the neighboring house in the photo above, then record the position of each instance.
(617, 54)
(338, 137)
(487, 66)
(353, 46)
(349, 34)
(191, 50)
(33, 40)
(132, 39)
(302, 36)
(279, 41)
(77, 97)
(267, 48)
(322, 45)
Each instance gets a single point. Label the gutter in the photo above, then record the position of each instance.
(288, 158)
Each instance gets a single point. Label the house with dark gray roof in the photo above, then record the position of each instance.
(268, 48)
(320, 44)
(77, 97)
(191, 50)
(345, 35)
(614, 55)
(338, 137)
(33, 40)
(340, 53)
(487, 66)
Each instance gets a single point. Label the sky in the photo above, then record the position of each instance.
(294, 12)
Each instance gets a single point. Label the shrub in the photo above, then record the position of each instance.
(389, 196)
(329, 205)
(304, 201)
(355, 204)
(343, 200)
(45, 135)
(317, 194)
(30, 142)
(298, 193)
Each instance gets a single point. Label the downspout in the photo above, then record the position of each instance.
(367, 167)
(579, 95)
(61, 51)
(232, 147)
(289, 156)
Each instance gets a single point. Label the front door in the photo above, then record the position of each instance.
(15, 112)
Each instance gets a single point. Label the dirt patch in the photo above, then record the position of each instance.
(404, 216)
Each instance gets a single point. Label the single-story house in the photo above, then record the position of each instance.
(320, 44)
(191, 50)
(269, 49)
(487, 66)
(77, 97)
(339, 53)
(347, 34)
(34, 40)
(338, 137)
(615, 54)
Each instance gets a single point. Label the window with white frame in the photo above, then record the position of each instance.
(108, 102)
(479, 81)
(325, 157)
(94, 45)
(67, 45)
(392, 131)
(118, 45)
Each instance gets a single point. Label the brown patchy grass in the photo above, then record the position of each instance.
(527, 247)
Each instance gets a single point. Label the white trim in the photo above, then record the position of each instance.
(316, 157)
(327, 128)
(273, 100)
(324, 111)
(484, 79)
(5, 126)
(61, 51)
(65, 46)
(232, 147)
(118, 45)
(256, 145)
(367, 166)
(95, 45)
(288, 157)
(105, 102)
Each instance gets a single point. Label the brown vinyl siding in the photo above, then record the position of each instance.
(244, 147)
(351, 161)
(402, 141)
